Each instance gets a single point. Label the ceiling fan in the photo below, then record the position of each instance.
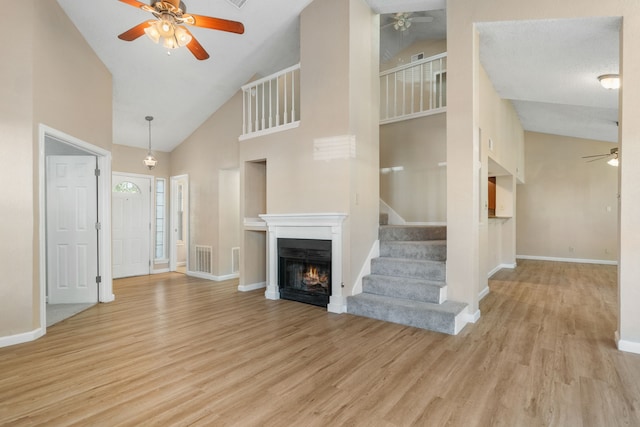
(612, 156)
(168, 26)
(401, 21)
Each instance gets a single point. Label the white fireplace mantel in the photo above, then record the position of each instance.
(317, 226)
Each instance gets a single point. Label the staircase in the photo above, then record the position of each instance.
(407, 284)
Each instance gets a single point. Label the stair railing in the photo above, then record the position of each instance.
(271, 104)
(414, 90)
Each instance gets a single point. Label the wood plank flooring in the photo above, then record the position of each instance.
(174, 350)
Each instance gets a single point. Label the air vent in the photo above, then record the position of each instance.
(238, 3)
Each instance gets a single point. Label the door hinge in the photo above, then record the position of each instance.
(98, 226)
(98, 279)
(97, 172)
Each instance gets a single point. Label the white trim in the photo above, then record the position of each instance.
(22, 338)
(161, 261)
(105, 290)
(211, 277)
(428, 223)
(483, 293)
(270, 130)
(366, 267)
(181, 264)
(160, 270)
(576, 260)
(500, 267)
(627, 346)
(471, 317)
(252, 287)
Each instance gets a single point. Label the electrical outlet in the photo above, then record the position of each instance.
(571, 249)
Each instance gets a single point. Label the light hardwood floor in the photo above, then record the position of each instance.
(174, 350)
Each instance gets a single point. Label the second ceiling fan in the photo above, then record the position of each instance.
(169, 27)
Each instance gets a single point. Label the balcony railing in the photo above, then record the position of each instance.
(271, 104)
(413, 90)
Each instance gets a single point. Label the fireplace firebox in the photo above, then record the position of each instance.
(304, 270)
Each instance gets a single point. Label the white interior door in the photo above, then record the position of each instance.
(72, 238)
(131, 228)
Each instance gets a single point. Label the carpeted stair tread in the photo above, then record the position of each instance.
(413, 268)
(435, 250)
(404, 287)
(435, 317)
(412, 232)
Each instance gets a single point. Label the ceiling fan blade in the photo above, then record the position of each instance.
(215, 23)
(422, 19)
(596, 155)
(135, 3)
(196, 48)
(595, 160)
(135, 32)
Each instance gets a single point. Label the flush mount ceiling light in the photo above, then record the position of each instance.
(609, 81)
(150, 162)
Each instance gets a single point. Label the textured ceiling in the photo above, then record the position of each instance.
(549, 70)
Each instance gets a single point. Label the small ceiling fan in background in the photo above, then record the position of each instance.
(401, 21)
(168, 26)
(612, 157)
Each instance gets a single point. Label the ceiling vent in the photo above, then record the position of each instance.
(238, 3)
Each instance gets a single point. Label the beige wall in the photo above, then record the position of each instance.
(463, 272)
(418, 192)
(504, 159)
(211, 148)
(568, 207)
(18, 289)
(338, 97)
(51, 77)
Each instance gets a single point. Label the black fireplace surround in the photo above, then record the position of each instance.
(304, 270)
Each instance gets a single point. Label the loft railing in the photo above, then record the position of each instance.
(413, 90)
(272, 103)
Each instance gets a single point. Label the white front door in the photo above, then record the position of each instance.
(72, 238)
(131, 228)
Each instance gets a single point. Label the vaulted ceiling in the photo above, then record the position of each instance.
(548, 69)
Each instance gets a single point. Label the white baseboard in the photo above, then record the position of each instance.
(627, 346)
(483, 293)
(208, 276)
(576, 260)
(500, 267)
(463, 318)
(160, 270)
(366, 267)
(394, 217)
(21, 338)
(181, 264)
(252, 287)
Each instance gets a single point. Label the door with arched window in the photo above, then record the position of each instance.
(131, 227)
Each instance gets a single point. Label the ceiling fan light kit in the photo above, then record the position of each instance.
(169, 26)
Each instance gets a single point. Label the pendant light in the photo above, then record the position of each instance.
(150, 161)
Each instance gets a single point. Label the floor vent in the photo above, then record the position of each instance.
(235, 260)
(238, 3)
(203, 260)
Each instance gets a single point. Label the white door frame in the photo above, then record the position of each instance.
(105, 290)
(173, 256)
(152, 217)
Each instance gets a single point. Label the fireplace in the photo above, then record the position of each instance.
(304, 270)
(307, 226)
